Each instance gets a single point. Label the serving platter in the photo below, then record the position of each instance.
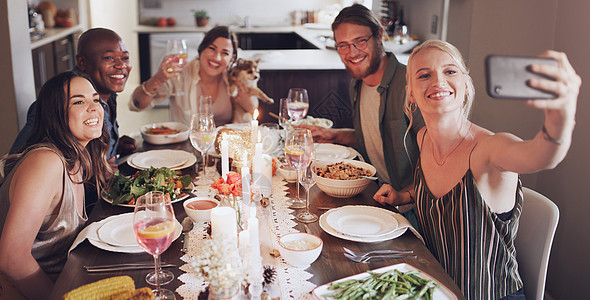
(441, 292)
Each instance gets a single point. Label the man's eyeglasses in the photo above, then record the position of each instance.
(360, 44)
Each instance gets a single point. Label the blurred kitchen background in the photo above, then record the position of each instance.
(476, 27)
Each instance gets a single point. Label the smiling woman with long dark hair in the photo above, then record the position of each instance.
(42, 194)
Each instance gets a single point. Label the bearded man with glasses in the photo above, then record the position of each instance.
(377, 92)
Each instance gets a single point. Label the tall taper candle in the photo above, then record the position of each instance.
(224, 159)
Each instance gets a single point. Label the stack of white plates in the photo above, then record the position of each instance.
(172, 159)
(116, 234)
(365, 224)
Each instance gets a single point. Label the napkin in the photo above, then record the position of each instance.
(403, 223)
(89, 232)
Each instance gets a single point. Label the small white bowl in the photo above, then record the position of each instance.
(199, 208)
(288, 172)
(344, 188)
(162, 139)
(300, 249)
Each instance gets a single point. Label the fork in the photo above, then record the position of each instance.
(382, 252)
(367, 258)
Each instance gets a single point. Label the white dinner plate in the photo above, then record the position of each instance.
(128, 249)
(118, 232)
(191, 187)
(441, 292)
(160, 158)
(153, 156)
(362, 221)
(332, 151)
(334, 232)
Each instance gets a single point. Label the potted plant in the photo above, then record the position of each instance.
(201, 17)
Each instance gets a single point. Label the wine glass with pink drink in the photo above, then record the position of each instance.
(153, 224)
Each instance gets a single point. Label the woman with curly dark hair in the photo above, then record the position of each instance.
(42, 195)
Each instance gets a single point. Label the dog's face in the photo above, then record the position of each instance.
(246, 70)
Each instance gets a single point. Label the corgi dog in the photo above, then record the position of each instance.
(245, 74)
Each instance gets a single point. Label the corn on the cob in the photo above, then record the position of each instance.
(102, 289)
(144, 293)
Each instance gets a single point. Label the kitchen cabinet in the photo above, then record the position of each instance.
(51, 59)
(272, 41)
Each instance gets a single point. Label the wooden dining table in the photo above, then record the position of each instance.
(331, 264)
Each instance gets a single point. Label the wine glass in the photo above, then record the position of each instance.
(284, 119)
(202, 136)
(297, 103)
(298, 149)
(153, 225)
(177, 47)
(307, 179)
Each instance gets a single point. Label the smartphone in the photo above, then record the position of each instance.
(507, 77)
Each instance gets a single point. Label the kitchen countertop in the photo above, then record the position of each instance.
(299, 59)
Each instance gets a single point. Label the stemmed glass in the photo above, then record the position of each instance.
(297, 103)
(298, 151)
(202, 136)
(177, 47)
(153, 225)
(284, 118)
(307, 178)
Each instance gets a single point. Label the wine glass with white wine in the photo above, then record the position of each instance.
(202, 136)
(297, 103)
(177, 48)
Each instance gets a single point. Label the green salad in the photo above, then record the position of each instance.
(124, 189)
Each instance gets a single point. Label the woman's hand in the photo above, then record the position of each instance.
(169, 68)
(559, 112)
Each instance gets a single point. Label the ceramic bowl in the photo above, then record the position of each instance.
(199, 208)
(300, 249)
(162, 139)
(289, 173)
(344, 188)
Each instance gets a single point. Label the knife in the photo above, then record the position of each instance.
(121, 267)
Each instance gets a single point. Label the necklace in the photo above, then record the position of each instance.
(440, 164)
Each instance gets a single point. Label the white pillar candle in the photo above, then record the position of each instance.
(246, 185)
(254, 238)
(224, 224)
(265, 181)
(254, 131)
(257, 165)
(224, 159)
(244, 242)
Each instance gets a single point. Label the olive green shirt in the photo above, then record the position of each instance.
(400, 160)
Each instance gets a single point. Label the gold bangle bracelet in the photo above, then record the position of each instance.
(145, 91)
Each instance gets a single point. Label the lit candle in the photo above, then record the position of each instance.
(245, 184)
(224, 158)
(254, 131)
(224, 224)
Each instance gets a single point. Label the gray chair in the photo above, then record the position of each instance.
(538, 222)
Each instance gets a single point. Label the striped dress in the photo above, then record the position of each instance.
(472, 243)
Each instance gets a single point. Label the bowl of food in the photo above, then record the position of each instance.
(343, 178)
(322, 122)
(199, 208)
(164, 133)
(300, 249)
(288, 173)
